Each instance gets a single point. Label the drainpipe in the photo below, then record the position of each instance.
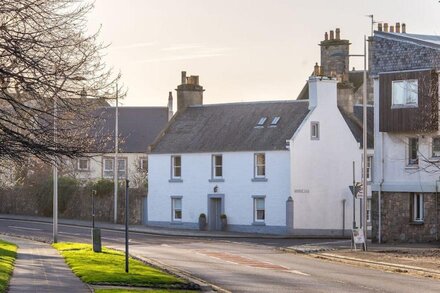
(343, 217)
(436, 208)
(380, 191)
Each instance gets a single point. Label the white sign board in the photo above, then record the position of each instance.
(358, 236)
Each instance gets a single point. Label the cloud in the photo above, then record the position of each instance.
(181, 57)
(179, 47)
(134, 46)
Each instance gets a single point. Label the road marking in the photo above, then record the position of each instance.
(74, 234)
(25, 228)
(240, 260)
(298, 273)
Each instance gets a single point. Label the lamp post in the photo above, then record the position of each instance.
(126, 224)
(364, 144)
(55, 175)
(115, 175)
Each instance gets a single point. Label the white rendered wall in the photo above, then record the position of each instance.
(237, 187)
(97, 164)
(322, 169)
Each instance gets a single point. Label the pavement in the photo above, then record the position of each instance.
(40, 268)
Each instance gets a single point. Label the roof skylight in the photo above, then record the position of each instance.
(261, 121)
(275, 120)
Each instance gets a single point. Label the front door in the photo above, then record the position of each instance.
(215, 211)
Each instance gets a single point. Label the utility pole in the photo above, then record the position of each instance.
(364, 145)
(115, 168)
(354, 195)
(55, 174)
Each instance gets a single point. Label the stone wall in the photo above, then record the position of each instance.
(78, 205)
(396, 218)
(399, 54)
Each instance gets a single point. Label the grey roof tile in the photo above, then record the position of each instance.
(231, 127)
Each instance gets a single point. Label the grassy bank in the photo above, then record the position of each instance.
(108, 268)
(8, 253)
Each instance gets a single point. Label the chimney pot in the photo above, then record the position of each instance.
(338, 34)
(332, 35)
(385, 27)
(379, 27)
(183, 77)
(397, 27)
(403, 28)
(316, 70)
(391, 29)
(326, 36)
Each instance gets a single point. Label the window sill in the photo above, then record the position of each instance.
(175, 180)
(259, 224)
(412, 167)
(403, 106)
(259, 179)
(216, 180)
(417, 223)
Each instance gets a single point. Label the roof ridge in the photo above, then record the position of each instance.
(248, 103)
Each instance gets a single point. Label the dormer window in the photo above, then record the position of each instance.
(405, 93)
(261, 121)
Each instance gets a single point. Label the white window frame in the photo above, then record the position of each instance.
(418, 205)
(257, 165)
(108, 173)
(78, 164)
(174, 167)
(256, 209)
(314, 130)
(369, 210)
(369, 168)
(408, 92)
(174, 200)
(410, 161)
(122, 172)
(215, 166)
(143, 164)
(433, 155)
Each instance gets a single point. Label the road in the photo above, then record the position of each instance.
(240, 265)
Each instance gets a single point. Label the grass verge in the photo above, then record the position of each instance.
(108, 268)
(8, 253)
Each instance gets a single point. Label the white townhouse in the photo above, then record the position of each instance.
(138, 127)
(406, 201)
(271, 167)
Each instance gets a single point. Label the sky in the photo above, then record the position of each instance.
(243, 50)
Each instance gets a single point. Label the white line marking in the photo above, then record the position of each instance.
(298, 273)
(25, 228)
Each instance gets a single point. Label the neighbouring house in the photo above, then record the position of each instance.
(271, 167)
(138, 127)
(406, 202)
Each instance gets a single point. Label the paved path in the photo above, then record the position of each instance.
(40, 268)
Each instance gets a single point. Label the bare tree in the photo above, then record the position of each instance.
(50, 70)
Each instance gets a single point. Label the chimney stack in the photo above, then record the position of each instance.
(338, 34)
(189, 93)
(170, 106)
(183, 77)
(379, 27)
(326, 36)
(397, 27)
(391, 29)
(385, 27)
(332, 35)
(403, 28)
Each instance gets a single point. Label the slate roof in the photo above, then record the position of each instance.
(432, 41)
(138, 127)
(355, 120)
(231, 127)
